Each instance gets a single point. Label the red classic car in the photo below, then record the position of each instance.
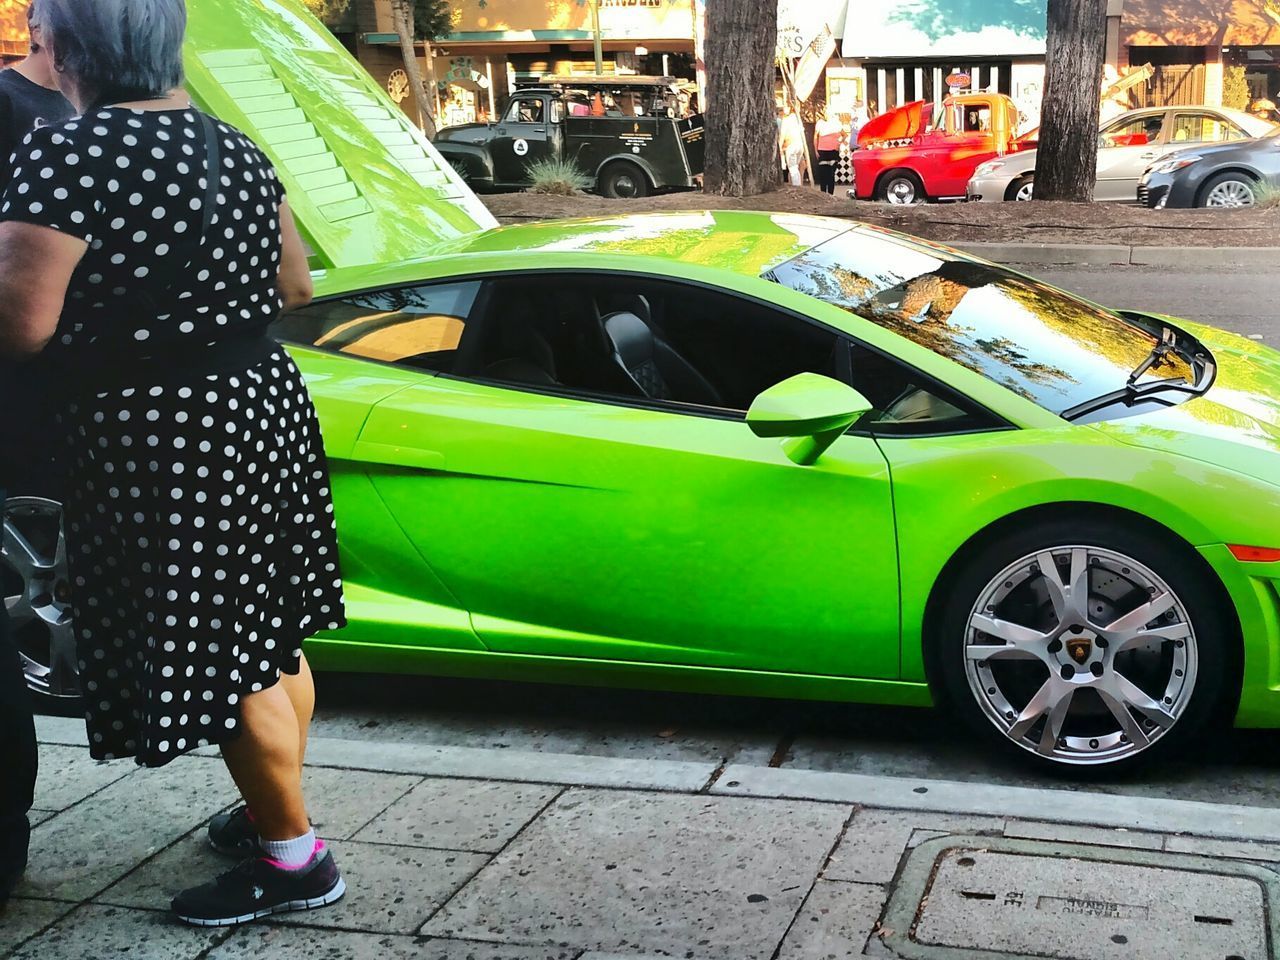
(917, 152)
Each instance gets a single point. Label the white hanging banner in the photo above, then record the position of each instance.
(812, 61)
(801, 21)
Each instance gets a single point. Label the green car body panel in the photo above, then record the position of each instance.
(491, 531)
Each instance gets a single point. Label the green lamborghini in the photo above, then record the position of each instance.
(742, 453)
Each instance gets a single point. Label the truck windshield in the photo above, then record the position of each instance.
(1045, 344)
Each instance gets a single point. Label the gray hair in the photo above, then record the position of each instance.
(116, 50)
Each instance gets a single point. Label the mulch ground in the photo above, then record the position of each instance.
(1035, 222)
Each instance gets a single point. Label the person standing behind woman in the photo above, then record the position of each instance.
(28, 99)
(826, 143)
(145, 247)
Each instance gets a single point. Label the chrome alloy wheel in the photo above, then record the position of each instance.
(1026, 192)
(37, 596)
(900, 191)
(1230, 193)
(1080, 654)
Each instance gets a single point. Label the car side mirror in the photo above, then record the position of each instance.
(809, 411)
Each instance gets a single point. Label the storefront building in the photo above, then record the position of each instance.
(496, 46)
(1219, 52)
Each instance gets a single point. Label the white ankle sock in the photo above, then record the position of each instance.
(291, 853)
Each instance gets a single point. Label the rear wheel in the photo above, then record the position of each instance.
(37, 596)
(901, 187)
(1084, 645)
(623, 180)
(1022, 189)
(1228, 190)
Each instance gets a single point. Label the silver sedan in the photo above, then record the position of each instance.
(1127, 145)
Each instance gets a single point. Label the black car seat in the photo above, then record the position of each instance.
(520, 354)
(649, 363)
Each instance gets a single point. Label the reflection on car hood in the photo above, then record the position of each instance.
(1235, 424)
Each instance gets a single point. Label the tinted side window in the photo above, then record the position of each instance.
(1137, 132)
(907, 403)
(417, 326)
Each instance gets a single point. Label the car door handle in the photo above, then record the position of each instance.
(1146, 156)
(502, 130)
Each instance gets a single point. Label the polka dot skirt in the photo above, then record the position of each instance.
(200, 530)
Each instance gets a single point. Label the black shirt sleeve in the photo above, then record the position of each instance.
(49, 188)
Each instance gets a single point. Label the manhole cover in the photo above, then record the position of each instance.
(991, 896)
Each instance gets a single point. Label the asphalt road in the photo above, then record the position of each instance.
(1244, 300)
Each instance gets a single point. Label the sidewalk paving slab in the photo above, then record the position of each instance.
(459, 815)
(873, 845)
(23, 919)
(689, 875)
(68, 775)
(341, 802)
(292, 943)
(1073, 833)
(85, 849)
(95, 932)
(835, 922)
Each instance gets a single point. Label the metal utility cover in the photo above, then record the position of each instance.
(992, 896)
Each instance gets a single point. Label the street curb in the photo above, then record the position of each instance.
(1150, 814)
(1084, 254)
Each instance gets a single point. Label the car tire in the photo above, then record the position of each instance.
(901, 188)
(623, 181)
(1227, 191)
(1022, 188)
(38, 594)
(1172, 681)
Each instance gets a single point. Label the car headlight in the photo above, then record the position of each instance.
(1174, 164)
(988, 168)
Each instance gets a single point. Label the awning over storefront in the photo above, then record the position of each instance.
(566, 21)
(1200, 23)
(925, 29)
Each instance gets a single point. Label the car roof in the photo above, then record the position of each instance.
(737, 242)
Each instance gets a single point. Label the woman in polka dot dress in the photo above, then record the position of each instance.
(199, 528)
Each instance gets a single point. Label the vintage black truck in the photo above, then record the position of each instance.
(626, 133)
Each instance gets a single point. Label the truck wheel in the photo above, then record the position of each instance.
(623, 180)
(901, 187)
(1022, 189)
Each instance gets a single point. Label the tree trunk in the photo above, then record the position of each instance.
(742, 131)
(1067, 156)
(402, 13)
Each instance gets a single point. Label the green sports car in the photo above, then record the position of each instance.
(750, 453)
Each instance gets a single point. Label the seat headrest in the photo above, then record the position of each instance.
(630, 337)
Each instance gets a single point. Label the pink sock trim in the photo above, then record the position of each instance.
(315, 852)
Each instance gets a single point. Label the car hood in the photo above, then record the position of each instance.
(364, 184)
(1235, 424)
(901, 123)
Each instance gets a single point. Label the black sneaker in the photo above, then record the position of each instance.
(234, 833)
(256, 887)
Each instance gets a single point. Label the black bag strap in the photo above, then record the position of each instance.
(165, 304)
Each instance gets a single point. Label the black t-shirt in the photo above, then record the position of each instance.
(24, 105)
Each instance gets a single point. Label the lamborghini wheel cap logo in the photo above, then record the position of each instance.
(1079, 649)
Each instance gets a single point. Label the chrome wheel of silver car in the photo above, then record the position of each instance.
(1080, 654)
(1230, 193)
(37, 596)
(1025, 191)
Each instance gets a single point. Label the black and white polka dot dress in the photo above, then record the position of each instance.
(199, 522)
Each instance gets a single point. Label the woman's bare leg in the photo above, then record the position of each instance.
(265, 762)
(302, 694)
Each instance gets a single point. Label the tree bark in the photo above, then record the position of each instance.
(402, 14)
(1067, 154)
(742, 131)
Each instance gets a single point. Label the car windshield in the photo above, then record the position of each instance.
(1038, 341)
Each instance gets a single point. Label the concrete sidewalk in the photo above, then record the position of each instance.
(453, 852)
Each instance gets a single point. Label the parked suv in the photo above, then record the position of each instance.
(1127, 145)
